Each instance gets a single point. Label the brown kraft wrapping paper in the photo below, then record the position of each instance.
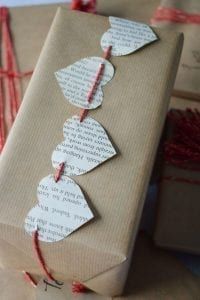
(154, 274)
(133, 112)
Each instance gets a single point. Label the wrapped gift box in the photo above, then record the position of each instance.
(133, 112)
(177, 222)
(188, 78)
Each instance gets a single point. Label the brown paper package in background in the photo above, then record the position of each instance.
(154, 275)
(178, 223)
(188, 78)
(102, 262)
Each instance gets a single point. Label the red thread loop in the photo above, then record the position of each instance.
(78, 287)
(59, 172)
(174, 15)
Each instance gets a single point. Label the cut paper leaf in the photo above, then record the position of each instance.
(126, 36)
(86, 145)
(77, 79)
(62, 209)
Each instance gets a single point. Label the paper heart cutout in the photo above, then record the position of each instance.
(126, 36)
(86, 145)
(61, 210)
(77, 79)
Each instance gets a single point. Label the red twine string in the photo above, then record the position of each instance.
(29, 279)
(77, 287)
(9, 76)
(96, 82)
(183, 149)
(40, 257)
(59, 172)
(174, 15)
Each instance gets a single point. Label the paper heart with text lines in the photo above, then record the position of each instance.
(77, 79)
(126, 36)
(61, 209)
(85, 146)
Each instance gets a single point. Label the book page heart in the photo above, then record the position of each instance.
(86, 145)
(61, 210)
(126, 36)
(77, 79)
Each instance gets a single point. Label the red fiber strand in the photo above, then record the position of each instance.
(29, 279)
(77, 287)
(2, 122)
(9, 76)
(59, 172)
(174, 15)
(40, 258)
(95, 84)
